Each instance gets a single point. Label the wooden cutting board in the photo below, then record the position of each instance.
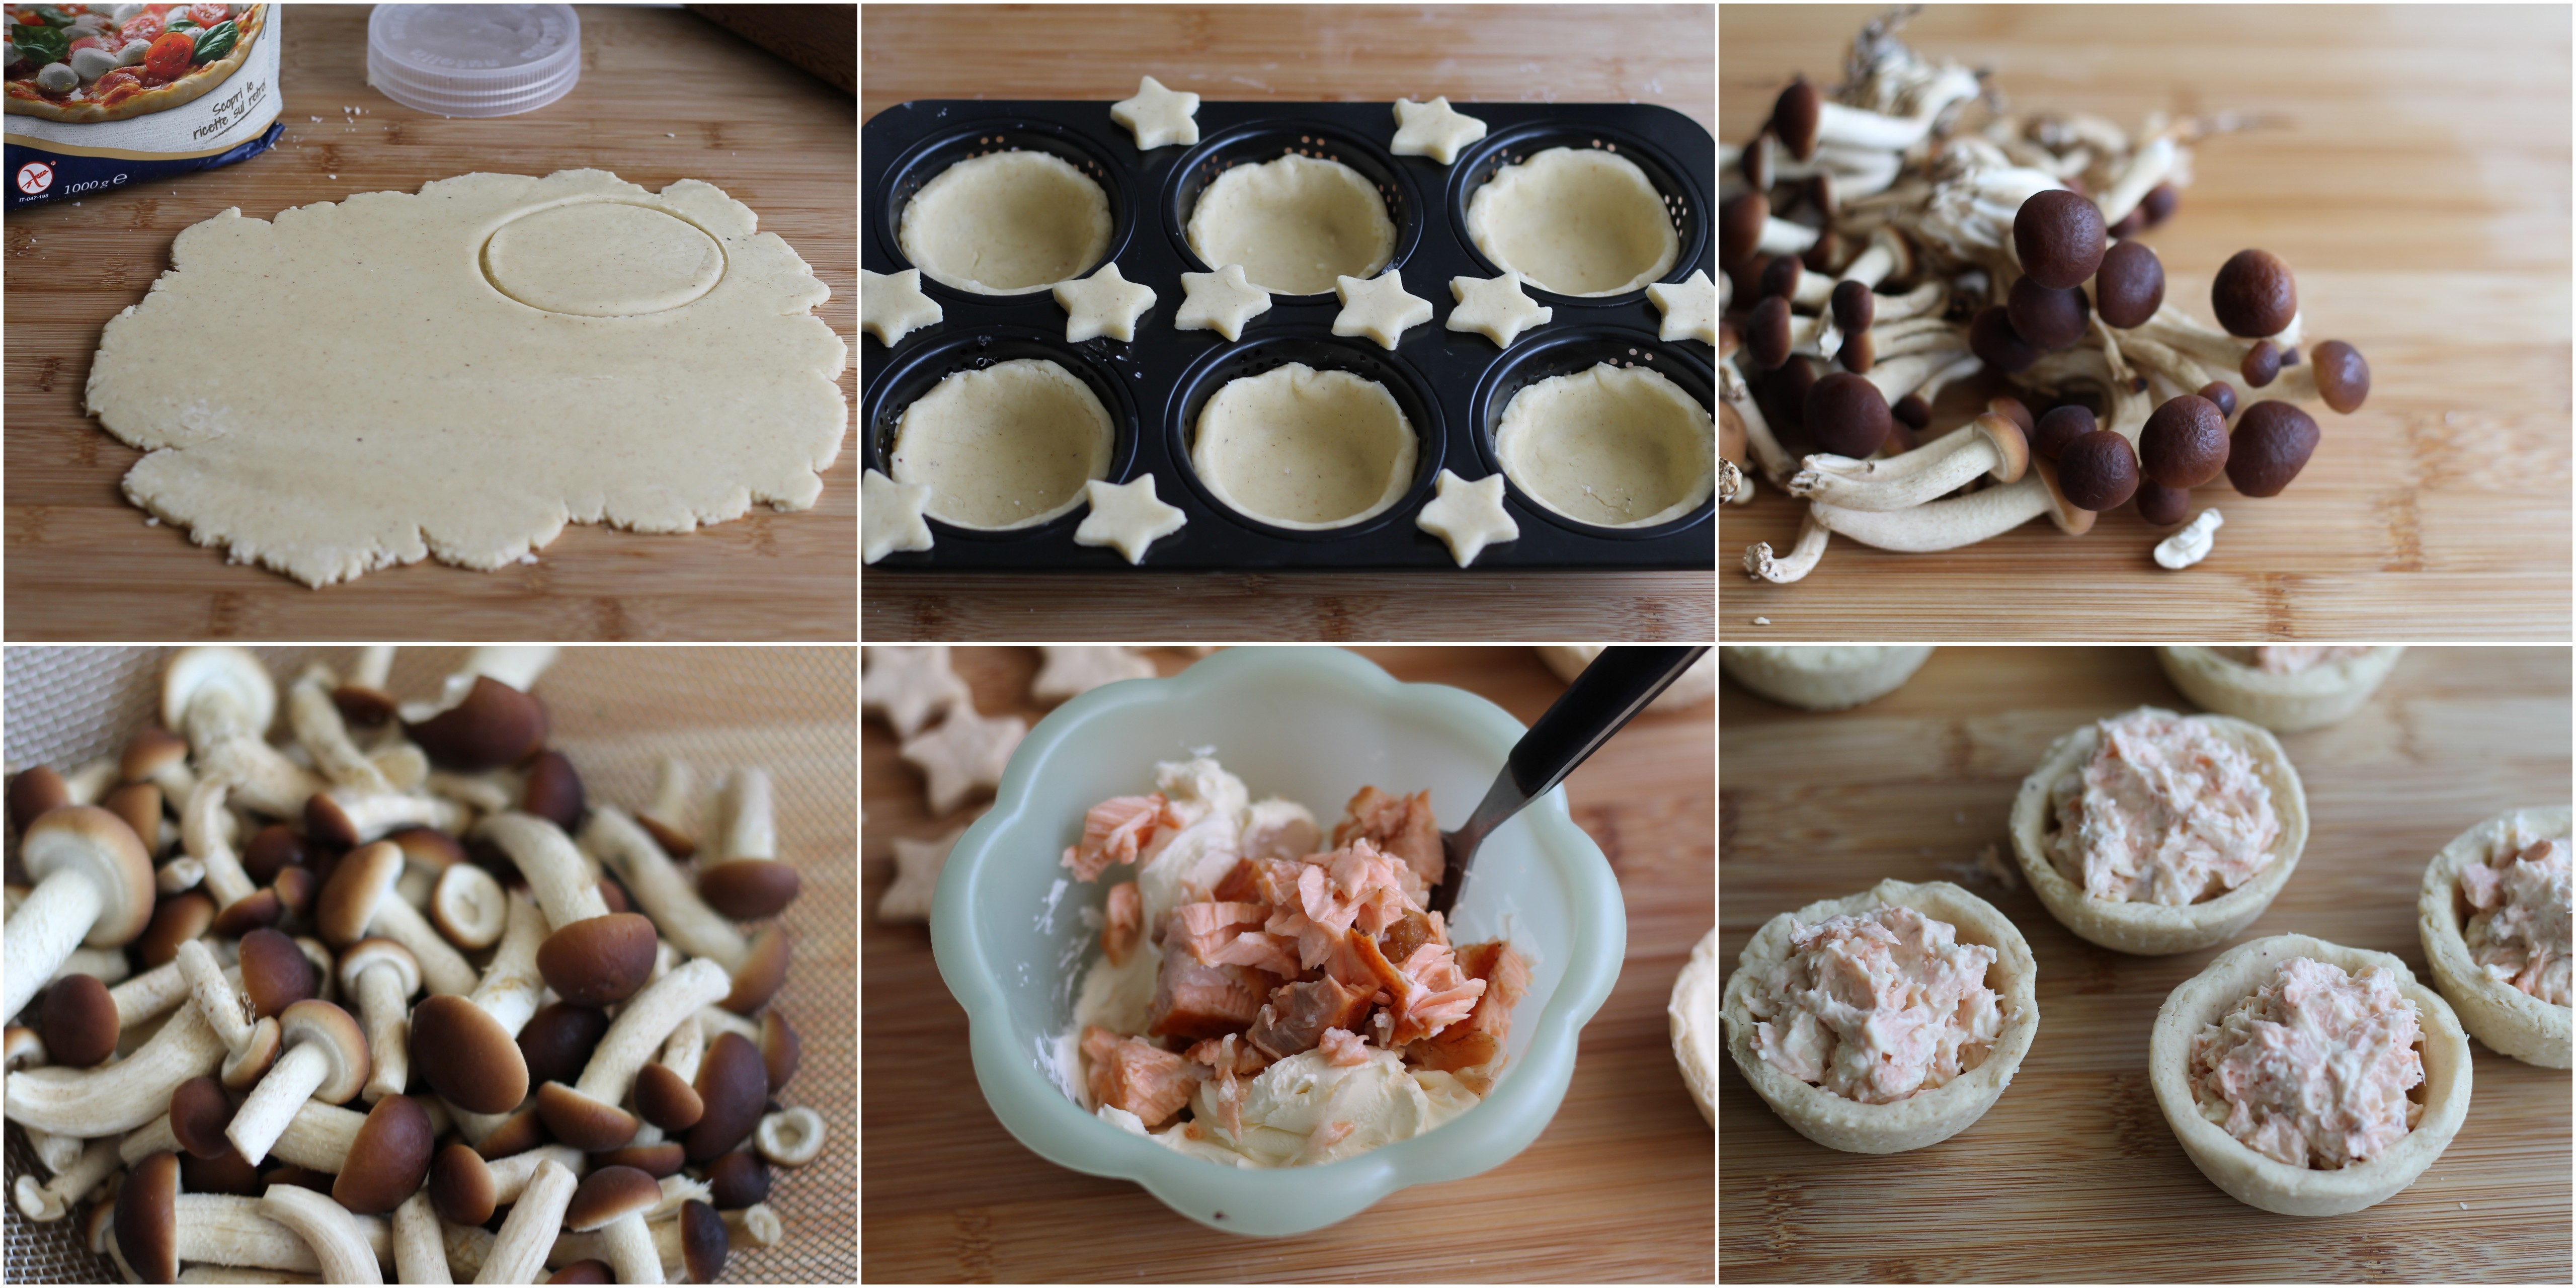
(663, 96)
(2075, 1174)
(2414, 174)
(1496, 53)
(1616, 1188)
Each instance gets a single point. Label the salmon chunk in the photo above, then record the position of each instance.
(1297, 1016)
(1475, 1045)
(1400, 825)
(1135, 1075)
(1343, 1047)
(1113, 831)
(1194, 1000)
(1126, 923)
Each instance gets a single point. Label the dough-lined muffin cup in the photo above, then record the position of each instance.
(2283, 703)
(2510, 1021)
(1823, 678)
(2268, 1183)
(2157, 929)
(1926, 1117)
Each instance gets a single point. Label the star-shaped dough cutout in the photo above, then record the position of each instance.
(1158, 115)
(916, 876)
(1433, 130)
(892, 305)
(1105, 303)
(1073, 670)
(1221, 301)
(891, 513)
(1495, 306)
(1469, 516)
(1690, 308)
(964, 755)
(1379, 308)
(1128, 516)
(910, 684)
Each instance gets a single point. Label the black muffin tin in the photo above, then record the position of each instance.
(1453, 386)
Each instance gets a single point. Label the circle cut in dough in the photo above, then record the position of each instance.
(1615, 447)
(1823, 678)
(2283, 702)
(602, 259)
(1927, 1117)
(1006, 223)
(2158, 929)
(1299, 448)
(1006, 447)
(1295, 224)
(2508, 1020)
(2268, 1183)
(1576, 221)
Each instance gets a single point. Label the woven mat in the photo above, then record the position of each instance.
(617, 712)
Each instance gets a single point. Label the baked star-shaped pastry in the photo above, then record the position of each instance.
(1128, 516)
(1433, 130)
(910, 684)
(1469, 516)
(1158, 115)
(965, 754)
(1379, 308)
(892, 305)
(1105, 303)
(1073, 670)
(1221, 301)
(891, 514)
(1495, 306)
(916, 877)
(1690, 308)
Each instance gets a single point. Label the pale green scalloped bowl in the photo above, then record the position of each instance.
(1314, 725)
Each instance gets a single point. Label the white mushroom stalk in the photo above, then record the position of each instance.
(230, 1230)
(339, 1243)
(120, 1096)
(1937, 525)
(202, 834)
(647, 1020)
(52, 1200)
(420, 1253)
(518, 1253)
(1988, 445)
(626, 849)
(325, 736)
(552, 865)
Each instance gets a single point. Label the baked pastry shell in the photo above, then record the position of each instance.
(2507, 1019)
(2155, 929)
(2266, 1183)
(1823, 679)
(2291, 703)
(1927, 1117)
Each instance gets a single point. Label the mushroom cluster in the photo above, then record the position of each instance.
(1878, 251)
(393, 997)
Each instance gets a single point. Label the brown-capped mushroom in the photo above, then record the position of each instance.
(325, 1059)
(780, 1049)
(587, 1115)
(122, 1095)
(93, 884)
(2343, 378)
(2272, 444)
(361, 901)
(78, 1020)
(553, 791)
(468, 906)
(485, 717)
(665, 1100)
(466, 1048)
(2185, 443)
(612, 1202)
(2099, 471)
(599, 961)
(2058, 236)
(2254, 294)
(388, 1159)
(2129, 286)
(1992, 338)
(630, 850)
(2047, 318)
(734, 1086)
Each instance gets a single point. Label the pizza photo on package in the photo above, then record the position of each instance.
(82, 62)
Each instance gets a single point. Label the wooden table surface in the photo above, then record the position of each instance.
(1505, 53)
(83, 564)
(1616, 1188)
(2075, 1175)
(2416, 182)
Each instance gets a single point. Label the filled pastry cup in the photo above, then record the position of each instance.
(1822, 678)
(1927, 1117)
(2508, 1020)
(2158, 929)
(2283, 702)
(2268, 1183)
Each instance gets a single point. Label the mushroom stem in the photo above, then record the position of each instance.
(1762, 565)
(750, 831)
(332, 1231)
(375, 663)
(325, 736)
(442, 968)
(2148, 166)
(201, 833)
(373, 815)
(552, 865)
(54, 1199)
(420, 1253)
(1988, 445)
(383, 1007)
(1733, 488)
(231, 1230)
(44, 931)
(263, 779)
(1773, 459)
(646, 1021)
(512, 985)
(120, 1096)
(628, 850)
(516, 665)
(518, 1253)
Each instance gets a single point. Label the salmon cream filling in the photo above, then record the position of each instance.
(2519, 933)
(1877, 1007)
(1269, 996)
(2166, 810)
(2313, 1069)
(2290, 659)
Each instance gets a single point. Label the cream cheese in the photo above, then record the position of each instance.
(1877, 1007)
(2520, 934)
(2166, 810)
(1306, 1109)
(2313, 1069)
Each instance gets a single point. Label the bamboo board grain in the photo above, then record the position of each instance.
(2416, 181)
(1497, 53)
(2074, 1175)
(1616, 1188)
(83, 564)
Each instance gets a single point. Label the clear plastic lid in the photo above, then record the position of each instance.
(474, 59)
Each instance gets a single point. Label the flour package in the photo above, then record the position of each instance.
(103, 97)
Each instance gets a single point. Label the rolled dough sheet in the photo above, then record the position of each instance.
(1617, 447)
(1576, 221)
(350, 387)
(1005, 447)
(1295, 224)
(1305, 449)
(1007, 222)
